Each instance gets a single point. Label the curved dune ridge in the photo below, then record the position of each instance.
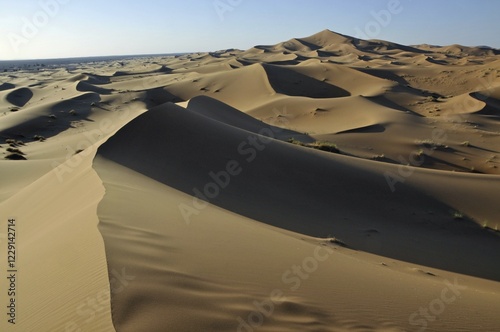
(316, 197)
(316, 189)
(324, 183)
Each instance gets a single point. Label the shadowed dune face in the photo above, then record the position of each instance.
(6, 86)
(55, 118)
(211, 153)
(20, 97)
(383, 46)
(216, 110)
(312, 193)
(291, 83)
(158, 96)
(97, 79)
(87, 87)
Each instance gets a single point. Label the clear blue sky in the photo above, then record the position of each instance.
(31, 29)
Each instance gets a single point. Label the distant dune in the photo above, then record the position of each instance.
(325, 183)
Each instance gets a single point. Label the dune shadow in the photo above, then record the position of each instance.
(436, 62)
(372, 46)
(384, 101)
(492, 107)
(327, 54)
(219, 111)
(292, 83)
(58, 118)
(159, 96)
(384, 74)
(375, 128)
(298, 189)
(284, 63)
(433, 162)
(311, 46)
(6, 86)
(84, 86)
(163, 69)
(20, 97)
(97, 79)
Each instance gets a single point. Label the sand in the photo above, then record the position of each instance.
(324, 183)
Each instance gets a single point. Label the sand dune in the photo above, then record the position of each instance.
(324, 183)
(221, 293)
(216, 110)
(318, 204)
(19, 97)
(63, 281)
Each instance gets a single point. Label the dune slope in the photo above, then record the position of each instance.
(315, 199)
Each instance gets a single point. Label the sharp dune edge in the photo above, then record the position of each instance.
(324, 183)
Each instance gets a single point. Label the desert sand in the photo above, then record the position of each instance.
(324, 183)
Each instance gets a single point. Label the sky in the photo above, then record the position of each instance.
(39, 29)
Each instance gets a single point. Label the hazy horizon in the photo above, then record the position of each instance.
(58, 29)
(96, 57)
